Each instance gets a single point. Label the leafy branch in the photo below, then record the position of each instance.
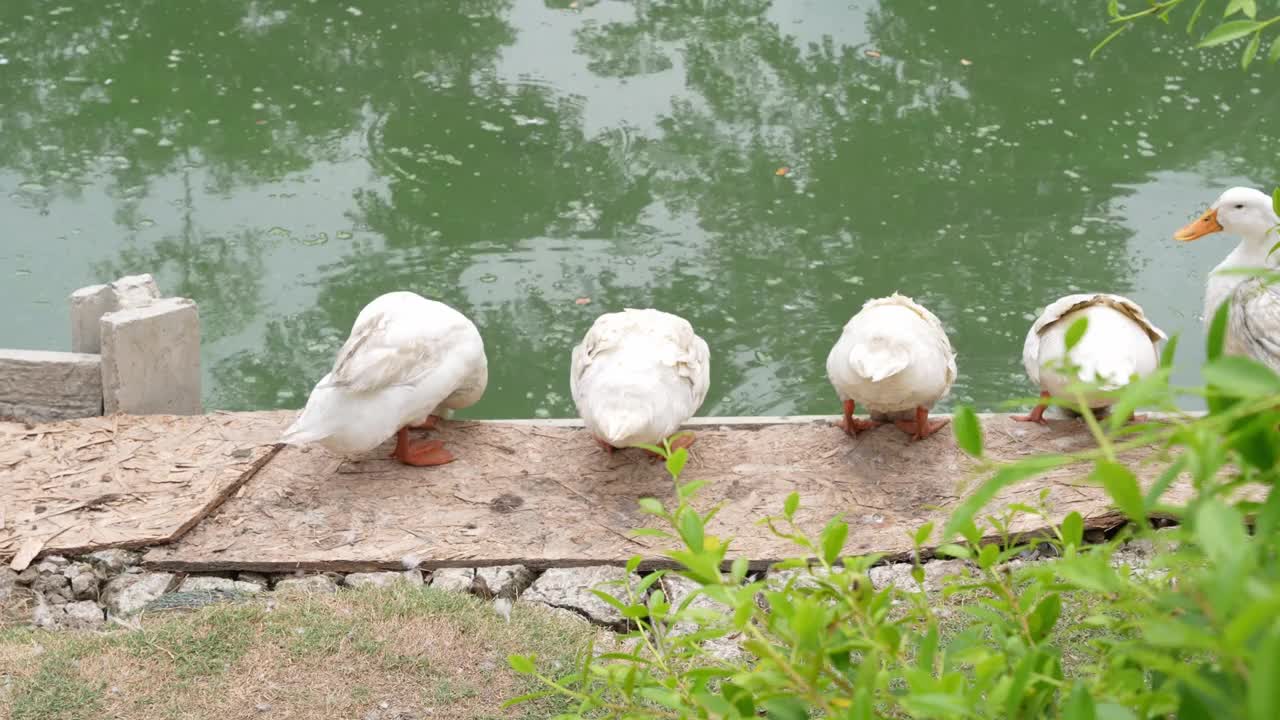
(1247, 26)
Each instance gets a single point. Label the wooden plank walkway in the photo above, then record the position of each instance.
(215, 493)
(541, 494)
(82, 485)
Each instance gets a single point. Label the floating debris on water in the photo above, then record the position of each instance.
(141, 131)
(522, 120)
(343, 235)
(873, 54)
(582, 301)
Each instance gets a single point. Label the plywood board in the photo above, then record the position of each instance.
(545, 495)
(121, 481)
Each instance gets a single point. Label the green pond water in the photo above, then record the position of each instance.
(284, 162)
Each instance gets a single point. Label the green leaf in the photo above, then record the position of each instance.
(1217, 336)
(1241, 377)
(1004, 477)
(1112, 711)
(1045, 616)
(934, 705)
(1167, 354)
(1079, 705)
(522, 664)
(1191, 24)
(1228, 31)
(689, 489)
(652, 506)
(1275, 194)
(1076, 332)
(1073, 529)
(690, 527)
(676, 461)
(791, 504)
(634, 562)
(1264, 694)
(1250, 8)
(1123, 488)
(922, 534)
(786, 708)
(1107, 40)
(833, 537)
(1113, 8)
(1250, 51)
(1220, 532)
(968, 430)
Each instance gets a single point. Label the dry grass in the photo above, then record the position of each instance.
(382, 654)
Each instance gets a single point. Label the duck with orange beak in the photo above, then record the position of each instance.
(1253, 327)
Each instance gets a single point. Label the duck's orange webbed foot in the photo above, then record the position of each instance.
(1036, 415)
(422, 453)
(853, 426)
(921, 427)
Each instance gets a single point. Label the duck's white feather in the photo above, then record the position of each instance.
(894, 355)
(638, 375)
(407, 357)
(1119, 342)
(1253, 324)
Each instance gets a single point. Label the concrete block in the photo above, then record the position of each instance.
(89, 304)
(38, 386)
(151, 359)
(135, 291)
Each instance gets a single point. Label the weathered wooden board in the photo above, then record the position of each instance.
(544, 495)
(121, 481)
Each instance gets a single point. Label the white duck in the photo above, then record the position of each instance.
(1118, 343)
(637, 376)
(1253, 327)
(894, 357)
(407, 361)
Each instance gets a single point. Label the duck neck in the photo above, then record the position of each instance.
(1253, 250)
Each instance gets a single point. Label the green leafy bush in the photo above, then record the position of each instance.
(1192, 632)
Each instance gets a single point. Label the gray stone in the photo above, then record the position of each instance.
(89, 304)
(151, 359)
(506, 581)
(570, 589)
(216, 584)
(41, 386)
(899, 575)
(262, 581)
(8, 583)
(114, 560)
(84, 615)
(307, 584)
(798, 577)
(28, 576)
(84, 582)
(125, 595)
(383, 579)
(51, 582)
(677, 588)
(453, 579)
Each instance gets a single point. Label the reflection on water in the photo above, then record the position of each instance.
(283, 162)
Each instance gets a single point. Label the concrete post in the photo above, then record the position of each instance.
(89, 304)
(151, 359)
